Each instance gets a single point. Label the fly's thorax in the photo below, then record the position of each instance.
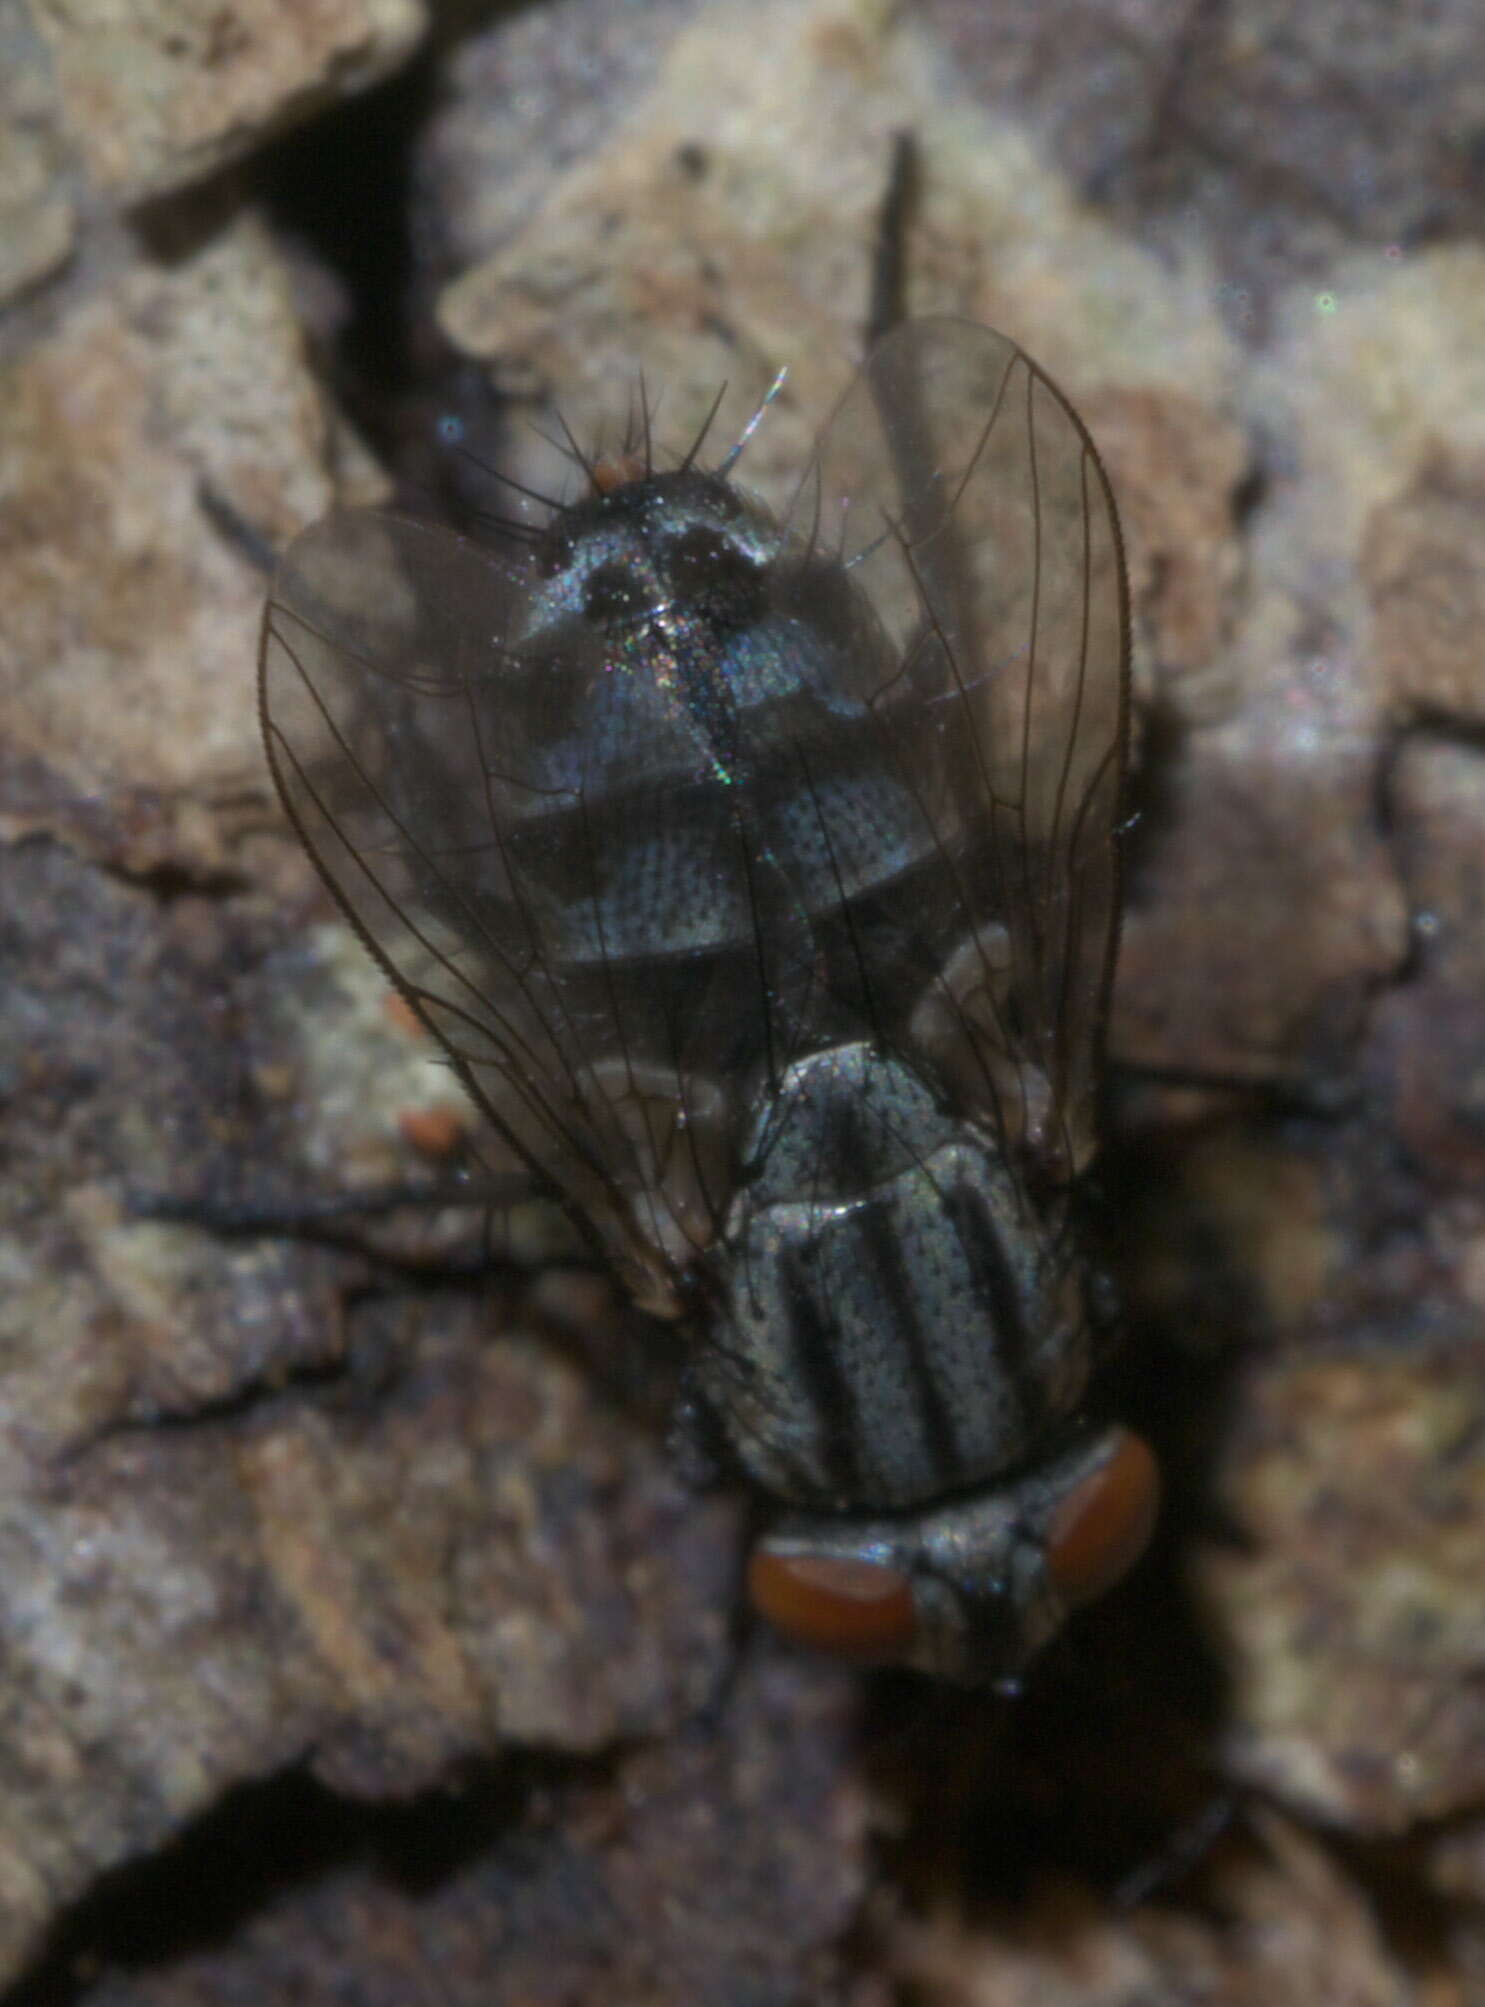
(898, 1324)
(973, 1589)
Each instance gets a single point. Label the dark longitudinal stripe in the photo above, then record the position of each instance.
(996, 1292)
(856, 1147)
(815, 1345)
(709, 701)
(905, 1324)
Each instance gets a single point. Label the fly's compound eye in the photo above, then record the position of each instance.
(932, 1590)
(1103, 1525)
(857, 1609)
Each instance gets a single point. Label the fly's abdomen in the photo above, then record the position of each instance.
(897, 1326)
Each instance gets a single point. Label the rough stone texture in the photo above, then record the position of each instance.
(1428, 1037)
(36, 210)
(727, 229)
(1425, 574)
(1179, 466)
(546, 90)
(695, 1872)
(289, 1540)
(1291, 1930)
(1350, 1616)
(1280, 139)
(159, 93)
(126, 661)
(244, 1522)
(1219, 977)
(1350, 1488)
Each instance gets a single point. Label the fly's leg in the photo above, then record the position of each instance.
(340, 1220)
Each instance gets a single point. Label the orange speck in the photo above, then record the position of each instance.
(433, 1132)
(609, 474)
(401, 1015)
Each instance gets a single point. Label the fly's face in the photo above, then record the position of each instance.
(972, 1589)
(756, 871)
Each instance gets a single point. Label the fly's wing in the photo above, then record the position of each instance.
(966, 497)
(448, 791)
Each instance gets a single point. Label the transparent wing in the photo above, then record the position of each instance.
(593, 858)
(630, 849)
(422, 770)
(968, 501)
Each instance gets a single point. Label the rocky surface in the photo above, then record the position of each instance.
(37, 209)
(358, 1639)
(159, 93)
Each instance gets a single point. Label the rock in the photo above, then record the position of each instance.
(160, 93)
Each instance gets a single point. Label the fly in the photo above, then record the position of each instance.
(757, 874)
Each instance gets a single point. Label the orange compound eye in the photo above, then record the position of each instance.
(1103, 1526)
(859, 1609)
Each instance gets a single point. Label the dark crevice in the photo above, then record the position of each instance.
(264, 1840)
(1151, 804)
(345, 1223)
(174, 878)
(1434, 722)
(279, 1388)
(1250, 494)
(342, 186)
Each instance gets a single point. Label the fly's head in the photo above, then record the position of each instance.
(972, 1589)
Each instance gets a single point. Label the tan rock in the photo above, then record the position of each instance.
(159, 93)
